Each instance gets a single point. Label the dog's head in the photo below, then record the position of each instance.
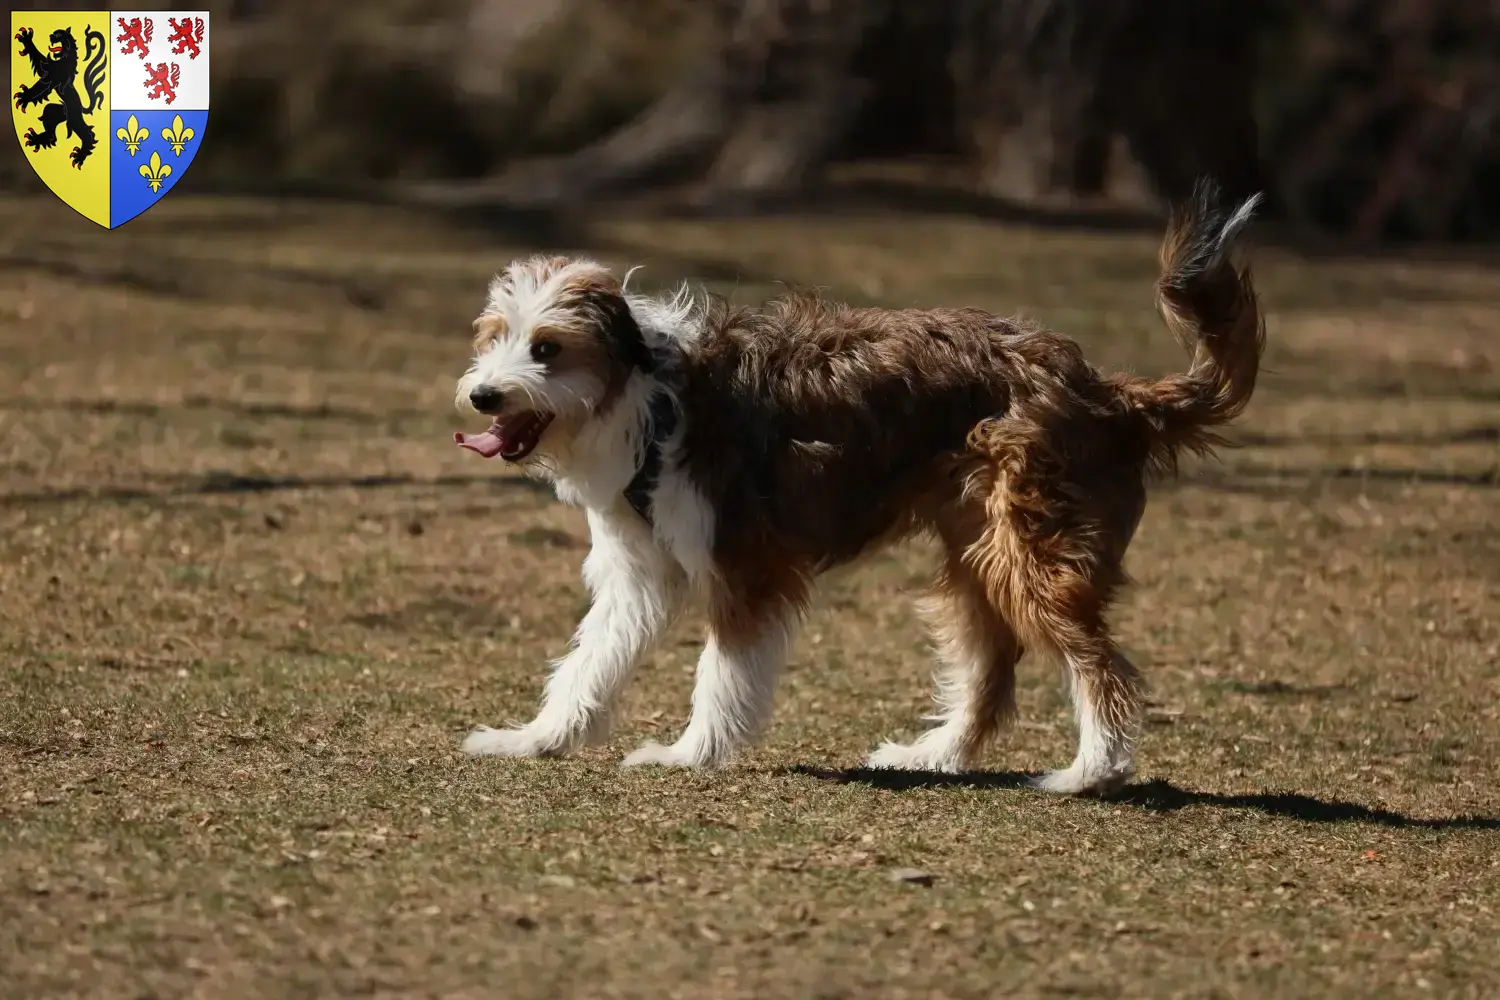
(555, 343)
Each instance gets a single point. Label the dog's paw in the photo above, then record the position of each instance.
(1080, 780)
(523, 741)
(676, 755)
(913, 757)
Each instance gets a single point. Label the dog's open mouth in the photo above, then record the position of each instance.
(512, 437)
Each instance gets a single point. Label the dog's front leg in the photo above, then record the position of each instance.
(637, 590)
(734, 690)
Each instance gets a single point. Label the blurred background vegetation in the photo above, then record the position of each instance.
(1367, 120)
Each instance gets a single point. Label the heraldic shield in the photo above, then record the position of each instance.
(110, 105)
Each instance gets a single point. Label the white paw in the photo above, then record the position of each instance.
(523, 741)
(1082, 779)
(915, 757)
(675, 755)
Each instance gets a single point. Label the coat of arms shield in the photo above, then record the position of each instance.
(110, 106)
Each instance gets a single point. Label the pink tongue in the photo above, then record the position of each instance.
(487, 443)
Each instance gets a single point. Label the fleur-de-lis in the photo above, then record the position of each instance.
(177, 135)
(156, 172)
(132, 135)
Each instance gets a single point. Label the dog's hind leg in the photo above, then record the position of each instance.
(1056, 592)
(1051, 557)
(1106, 703)
(976, 680)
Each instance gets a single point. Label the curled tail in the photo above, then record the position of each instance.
(1208, 301)
(93, 74)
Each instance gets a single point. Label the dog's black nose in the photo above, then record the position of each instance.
(487, 399)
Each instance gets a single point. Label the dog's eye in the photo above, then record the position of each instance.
(544, 350)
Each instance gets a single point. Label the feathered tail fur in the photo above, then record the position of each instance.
(1208, 301)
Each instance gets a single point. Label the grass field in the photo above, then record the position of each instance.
(252, 598)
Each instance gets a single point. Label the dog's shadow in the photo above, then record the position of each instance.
(1160, 796)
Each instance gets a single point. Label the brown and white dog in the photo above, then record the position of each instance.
(734, 455)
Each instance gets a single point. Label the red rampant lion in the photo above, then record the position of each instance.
(135, 36)
(187, 34)
(162, 84)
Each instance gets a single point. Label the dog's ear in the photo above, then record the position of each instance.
(618, 329)
(601, 298)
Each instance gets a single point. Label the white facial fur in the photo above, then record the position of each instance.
(528, 299)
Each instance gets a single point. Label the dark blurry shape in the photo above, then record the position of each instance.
(1034, 90)
(763, 109)
(1382, 117)
(356, 98)
(1374, 119)
(1130, 99)
(248, 10)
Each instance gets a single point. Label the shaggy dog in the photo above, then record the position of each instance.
(733, 455)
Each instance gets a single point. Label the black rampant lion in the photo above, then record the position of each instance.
(57, 75)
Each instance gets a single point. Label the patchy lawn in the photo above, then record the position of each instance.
(252, 598)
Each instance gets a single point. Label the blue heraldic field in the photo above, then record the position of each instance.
(143, 171)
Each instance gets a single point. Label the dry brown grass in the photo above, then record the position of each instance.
(252, 598)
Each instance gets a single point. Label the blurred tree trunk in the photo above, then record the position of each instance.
(1039, 92)
(761, 114)
(1060, 100)
(792, 89)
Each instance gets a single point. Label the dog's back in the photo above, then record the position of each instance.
(832, 428)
